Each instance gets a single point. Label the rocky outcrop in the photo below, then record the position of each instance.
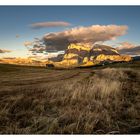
(103, 57)
(82, 55)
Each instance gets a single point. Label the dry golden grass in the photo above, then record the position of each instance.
(78, 101)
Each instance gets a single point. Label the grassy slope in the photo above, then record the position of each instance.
(35, 100)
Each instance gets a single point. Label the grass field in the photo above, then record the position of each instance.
(98, 100)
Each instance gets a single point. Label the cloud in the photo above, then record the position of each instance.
(37, 49)
(9, 58)
(5, 51)
(128, 49)
(49, 24)
(28, 43)
(38, 46)
(17, 36)
(90, 34)
(43, 56)
(125, 45)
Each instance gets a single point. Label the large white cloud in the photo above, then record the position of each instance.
(90, 34)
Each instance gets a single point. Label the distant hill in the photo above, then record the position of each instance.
(136, 58)
(22, 61)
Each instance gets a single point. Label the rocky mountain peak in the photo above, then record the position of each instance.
(80, 55)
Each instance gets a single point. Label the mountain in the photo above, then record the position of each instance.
(130, 51)
(81, 55)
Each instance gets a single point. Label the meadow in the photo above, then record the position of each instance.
(98, 100)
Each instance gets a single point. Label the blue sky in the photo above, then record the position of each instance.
(15, 20)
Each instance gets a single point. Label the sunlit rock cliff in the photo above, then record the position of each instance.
(81, 55)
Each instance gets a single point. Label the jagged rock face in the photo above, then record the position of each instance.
(103, 49)
(85, 55)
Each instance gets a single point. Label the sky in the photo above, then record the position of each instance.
(17, 23)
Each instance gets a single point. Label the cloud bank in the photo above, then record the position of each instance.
(90, 34)
(4, 51)
(49, 24)
(125, 45)
(37, 49)
(129, 49)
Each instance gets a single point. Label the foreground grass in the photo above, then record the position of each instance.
(78, 101)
